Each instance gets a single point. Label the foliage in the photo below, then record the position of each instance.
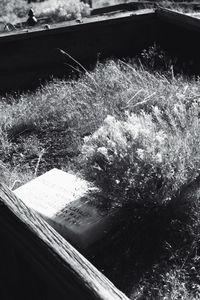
(148, 161)
(148, 156)
(16, 11)
(61, 10)
(102, 3)
(11, 10)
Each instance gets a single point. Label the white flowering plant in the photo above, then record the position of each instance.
(145, 157)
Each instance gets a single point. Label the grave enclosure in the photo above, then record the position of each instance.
(38, 263)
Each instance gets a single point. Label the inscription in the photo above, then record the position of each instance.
(75, 216)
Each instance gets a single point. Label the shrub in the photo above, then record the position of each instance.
(61, 10)
(13, 11)
(147, 157)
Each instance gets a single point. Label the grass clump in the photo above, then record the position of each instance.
(148, 162)
(149, 155)
(58, 115)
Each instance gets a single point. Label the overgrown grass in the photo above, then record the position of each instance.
(134, 132)
(16, 11)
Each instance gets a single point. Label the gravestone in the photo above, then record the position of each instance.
(70, 205)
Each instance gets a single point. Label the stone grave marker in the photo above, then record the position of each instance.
(67, 202)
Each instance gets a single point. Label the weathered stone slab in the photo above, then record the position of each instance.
(67, 202)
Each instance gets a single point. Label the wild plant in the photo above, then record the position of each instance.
(16, 11)
(146, 157)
